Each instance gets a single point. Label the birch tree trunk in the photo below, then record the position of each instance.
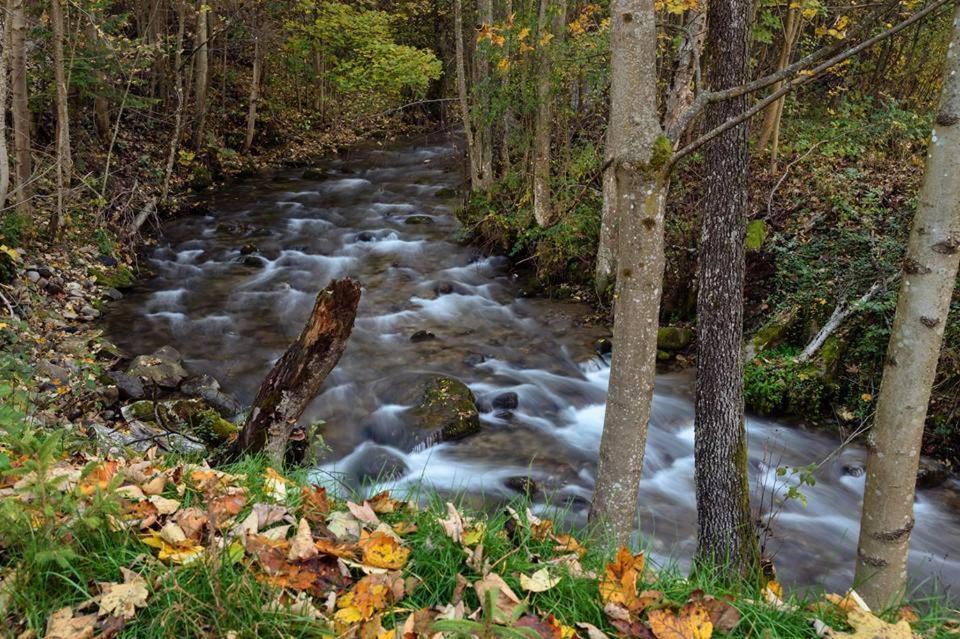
(543, 210)
(64, 159)
(254, 93)
(639, 184)
(4, 157)
(473, 155)
(19, 106)
(607, 245)
(929, 277)
(201, 75)
(726, 536)
(178, 112)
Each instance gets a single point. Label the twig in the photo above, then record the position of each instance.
(784, 176)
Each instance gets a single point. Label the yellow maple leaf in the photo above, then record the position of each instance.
(178, 553)
(867, 626)
(382, 550)
(692, 622)
(619, 582)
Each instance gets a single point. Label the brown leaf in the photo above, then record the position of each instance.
(382, 503)
(63, 625)
(545, 629)
(505, 601)
(692, 622)
(723, 615)
(314, 504)
(192, 521)
(364, 513)
(453, 525)
(302, 546)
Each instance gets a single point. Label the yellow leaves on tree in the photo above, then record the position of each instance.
(676, 7)
(692, 622)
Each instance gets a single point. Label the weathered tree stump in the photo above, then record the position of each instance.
(297, 376)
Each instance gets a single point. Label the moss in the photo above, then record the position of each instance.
(119, 277)
(447, 406)
(660, 154)
(674, 338)
(201, 420)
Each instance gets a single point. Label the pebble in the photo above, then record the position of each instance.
(33, 276)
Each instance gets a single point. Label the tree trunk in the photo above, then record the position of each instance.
(473, 155)
(178, 112)
(64, 159)
(929, 277)
(726, 536)
(607, 246)
(297, 376)
(483, 136)
(254, 93)
(201, 76)
(543, 210)
(681, 96)
(4, 157)
(101, 107)
(774, 112)
(640, 156)
(19, 104)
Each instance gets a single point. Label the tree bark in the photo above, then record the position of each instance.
(473, 155)
(543, 210)
(178, 112)
(201, 75)
(297, 376)
(20, 107)
(607, 245)
(4, 157)
(726, 536)
(483, 136)
(929, 277)
(254, 93)
(680, 97)
(640, 154)
(101, 107)
(774, 113)
(64, 158)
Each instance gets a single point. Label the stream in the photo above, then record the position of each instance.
(383, 215)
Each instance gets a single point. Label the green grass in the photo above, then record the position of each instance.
(56, 549)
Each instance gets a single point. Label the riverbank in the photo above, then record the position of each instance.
(155, 545)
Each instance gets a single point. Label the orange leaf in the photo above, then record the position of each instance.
(692, 622)
(382, 550)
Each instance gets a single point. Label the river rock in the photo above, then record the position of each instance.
(447, 406)
(931, 473)
(366, 236)
(418, 219)
(194, 385)
(130, 386)
(523, 485)
(378, 463)
(33, 276)
(193, 416)
(422, 336)
(314, 173)
(111, 293)
(506, 401)
(603, 346)
(674, 338)
(248, 249)
(162, 368)
(58, 373)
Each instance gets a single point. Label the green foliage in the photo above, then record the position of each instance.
(775, 382)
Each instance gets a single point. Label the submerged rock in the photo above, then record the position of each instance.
(418, 219)
(506, 401)
(314, 173)
(447, 406)
(422, 336)
(931, 473)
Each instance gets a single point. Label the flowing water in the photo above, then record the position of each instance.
(231, 316)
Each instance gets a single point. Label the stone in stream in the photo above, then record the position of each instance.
(191, 416)
(422, 336)
(523, 485)
(163, 368)
(366, 236)
(506, 401)
(446, 408)
(931, 473)
(378, 463)
(248, 249)
(674, 338)
(314, 173)
(418, 219)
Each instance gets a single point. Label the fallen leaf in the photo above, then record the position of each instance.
(178, 553)
(314, 503)
(453, 525)
(344, 525)
(63, 625)
(164, 506)
(154, 486)
(382, 503)
(225, 507)
(191, 521)
(723, 615)
(122, 600)
(692, 622)
(274, 485)
(540, 581)
(868, 626)
(363, 513)
(302, 546)
(382, 550)
(98, 478)
(505, 601)
(619, 582)
(544, 628)
(592, 631)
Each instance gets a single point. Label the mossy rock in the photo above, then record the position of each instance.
(674, 338)
(771, 334)
(201, 178)
(120, 277)
(663, 356)
(192, 415)
(448, 407)
(418, 219)
(445, 193)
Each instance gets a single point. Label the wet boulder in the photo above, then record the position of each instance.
(506, 401)
(314, 173)
(418, 219)
(422, 336)
(447, 406)
(931, 473)
(208, 389)
(377, 463)
(163, 368)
